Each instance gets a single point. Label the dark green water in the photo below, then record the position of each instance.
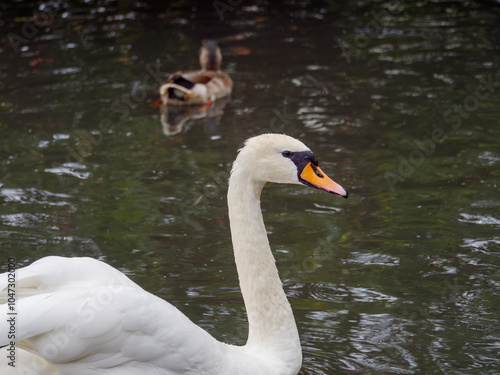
(399, 101)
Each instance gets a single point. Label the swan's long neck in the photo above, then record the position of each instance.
(271, 323)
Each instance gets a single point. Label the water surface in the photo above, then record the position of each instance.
(398, 100)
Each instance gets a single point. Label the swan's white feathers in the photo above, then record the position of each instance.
(275, 142)
(89, 312)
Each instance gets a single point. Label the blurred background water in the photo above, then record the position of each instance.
(399, 101)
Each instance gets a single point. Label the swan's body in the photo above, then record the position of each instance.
(200, 86)
(85, 317)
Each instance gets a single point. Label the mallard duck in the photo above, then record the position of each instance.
(201, 86)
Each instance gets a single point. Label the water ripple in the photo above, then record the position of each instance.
(479, 219)
(34, 196)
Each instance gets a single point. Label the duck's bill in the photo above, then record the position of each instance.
(313, 176)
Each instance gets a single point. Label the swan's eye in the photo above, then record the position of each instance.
(318, 173)
(286, 154)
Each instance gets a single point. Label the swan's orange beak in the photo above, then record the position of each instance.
(313, 176)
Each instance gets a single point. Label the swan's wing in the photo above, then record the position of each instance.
(26, 363)
(78, 319)
(56, 273)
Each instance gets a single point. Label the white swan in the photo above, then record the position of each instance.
(85, 317)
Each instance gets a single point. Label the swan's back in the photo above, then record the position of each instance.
(54, 273)
(82, 314)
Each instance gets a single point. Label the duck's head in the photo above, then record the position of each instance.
(210, 55)
(282, 159)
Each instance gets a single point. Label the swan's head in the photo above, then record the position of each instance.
(282, 159)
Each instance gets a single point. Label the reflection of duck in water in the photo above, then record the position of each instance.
(201, 86)
(179, 118)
